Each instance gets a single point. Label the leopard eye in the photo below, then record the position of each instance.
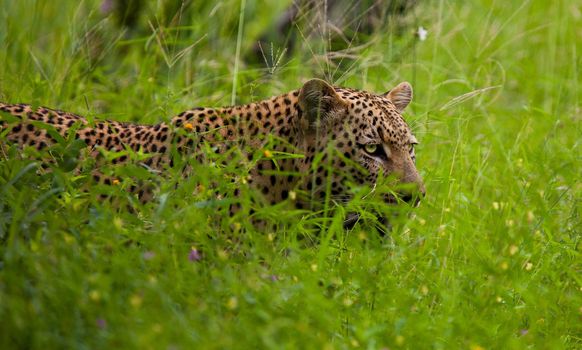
(371, 148)
(376, 150)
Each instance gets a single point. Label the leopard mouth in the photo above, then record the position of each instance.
(351, 220)
(383, 225)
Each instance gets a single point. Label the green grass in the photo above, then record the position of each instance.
(491, 259)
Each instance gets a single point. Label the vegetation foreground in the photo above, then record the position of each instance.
(490, 259)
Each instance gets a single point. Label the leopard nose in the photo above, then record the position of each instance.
(407, 197)
(412, 198)
(421, 190)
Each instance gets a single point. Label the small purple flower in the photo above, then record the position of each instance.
(194, 255)
(101, 323)
(523, 332)
(274, 278)
(149, 255)
(107, 6)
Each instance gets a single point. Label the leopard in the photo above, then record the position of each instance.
(342, 137)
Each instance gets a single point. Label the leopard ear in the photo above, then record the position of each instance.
(401, 95)
(319, 102)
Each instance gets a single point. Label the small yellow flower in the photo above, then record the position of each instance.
(292, 195)
(115, 182)
(424, 290)
(476, 347)
(362, 236)
(348, 302)
(136, 300)
(157, 328)
(222, 254)
(271, 237)
(94, 295)
(69, 238)
(530, 216)
(442, 230)
(513, 249)
(232, 303)
(188, 126)
(496, 205)
(528, 266)
(267, 153)
(399, 340)
(313, 267)
(118, 223)
(504, 265)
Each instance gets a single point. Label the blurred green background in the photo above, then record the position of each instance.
(491, 258)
